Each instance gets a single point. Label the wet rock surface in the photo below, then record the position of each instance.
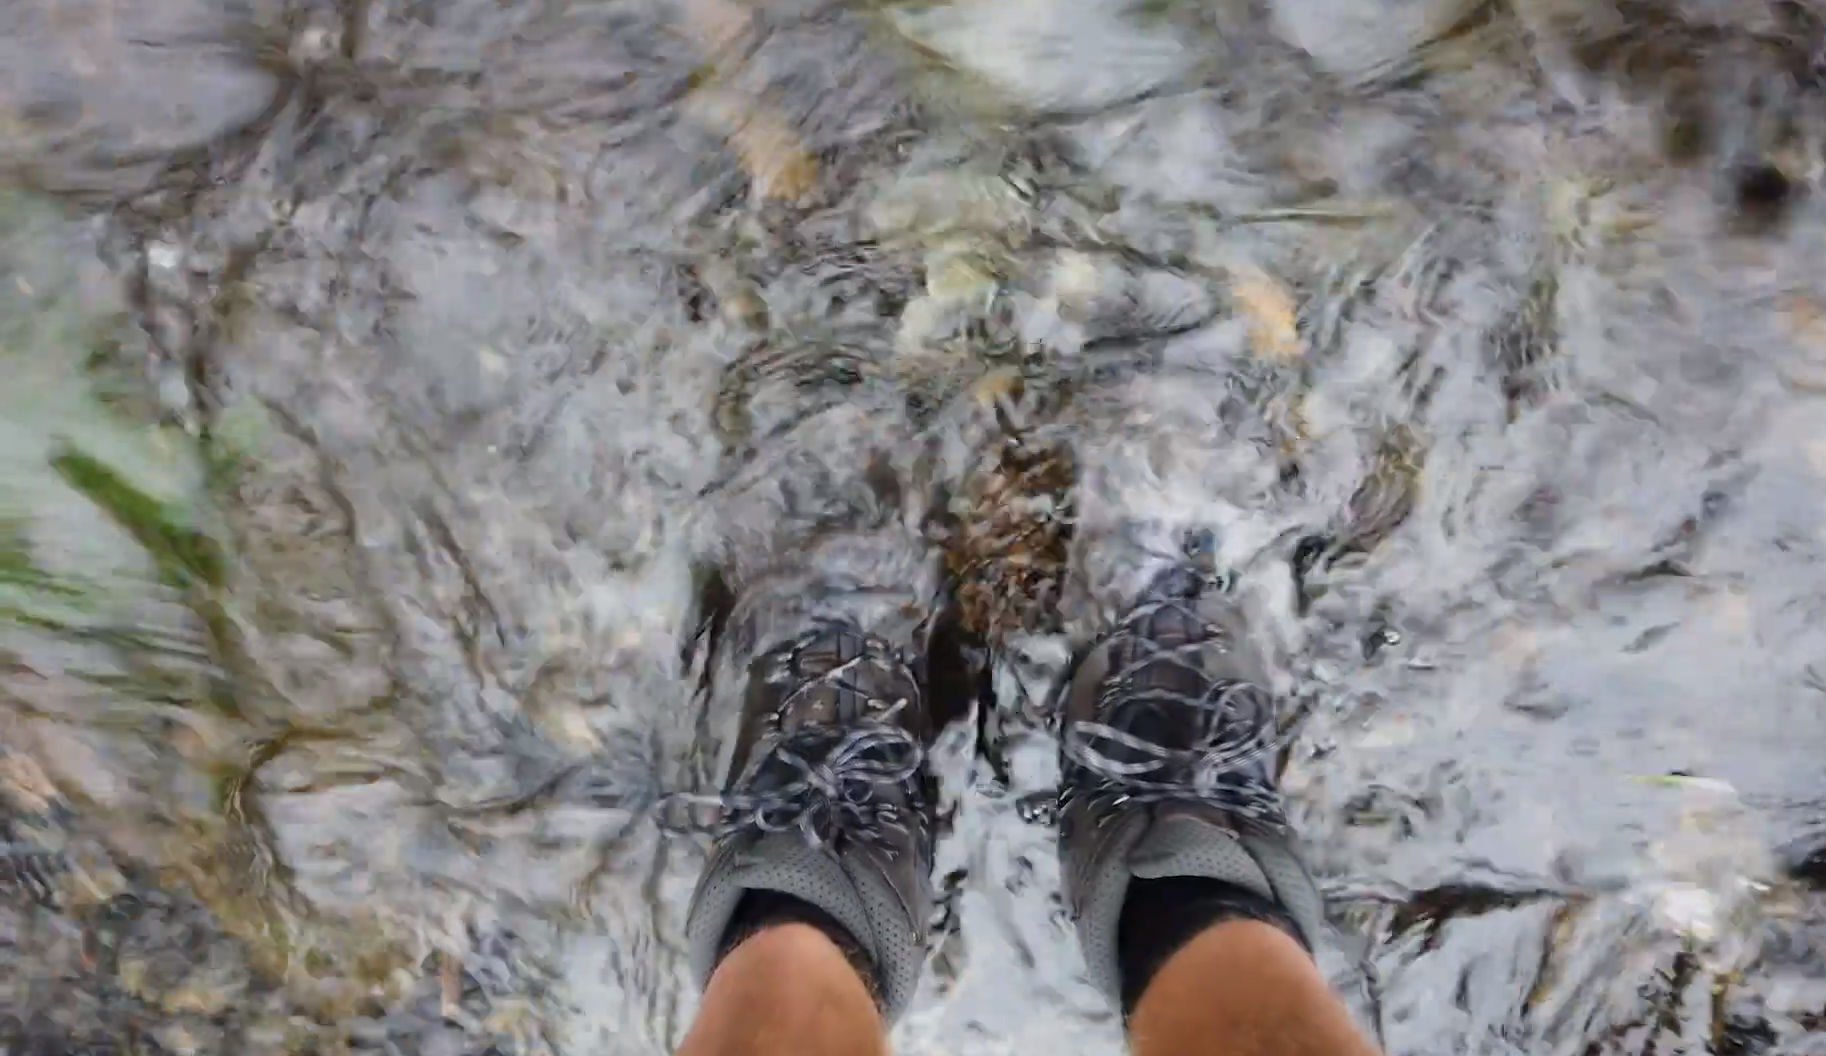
(389, 382)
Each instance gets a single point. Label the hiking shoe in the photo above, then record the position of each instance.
(1167, 743)
(829, 802)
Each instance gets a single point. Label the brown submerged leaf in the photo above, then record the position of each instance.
(770, 151)
(1008, 550)
(1269, 307)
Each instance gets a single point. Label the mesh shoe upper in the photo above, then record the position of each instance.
(829, 801)
(1168, 743)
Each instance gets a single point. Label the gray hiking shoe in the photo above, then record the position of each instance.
(830, 802)
(1168, 752)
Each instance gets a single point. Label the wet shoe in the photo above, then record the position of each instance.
(1168, 744)
(829, 803)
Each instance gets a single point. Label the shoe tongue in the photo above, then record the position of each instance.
(833, 683)
(1150, 721)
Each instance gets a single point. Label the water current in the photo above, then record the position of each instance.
(392, 386)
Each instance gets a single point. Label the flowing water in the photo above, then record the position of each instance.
(389, 381)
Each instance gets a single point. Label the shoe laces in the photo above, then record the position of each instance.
(1235, 729)
(825, 780)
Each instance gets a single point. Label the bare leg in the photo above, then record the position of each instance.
(787, 991)
(1242, 988)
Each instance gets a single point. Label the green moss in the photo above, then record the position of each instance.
(185, 557)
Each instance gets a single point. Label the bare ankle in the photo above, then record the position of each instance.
(1243, 988)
